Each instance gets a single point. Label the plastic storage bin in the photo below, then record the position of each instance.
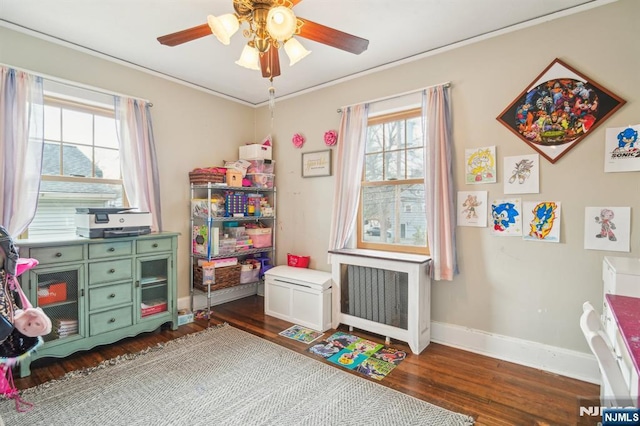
(255, 152)
(261, 237)
(200, 207)
(249, 273)
(261, 180)
(261, 166)
(227, 245)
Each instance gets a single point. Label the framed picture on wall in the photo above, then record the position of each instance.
(559, 109)
(316, 163)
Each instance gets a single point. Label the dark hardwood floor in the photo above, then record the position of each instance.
(494, 392)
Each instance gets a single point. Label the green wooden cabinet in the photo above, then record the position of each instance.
(98, 291)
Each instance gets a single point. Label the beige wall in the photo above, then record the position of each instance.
(528, 290)
(533, 291)
(191, 128)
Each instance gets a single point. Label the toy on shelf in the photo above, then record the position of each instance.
(235, 204)
(264, 264)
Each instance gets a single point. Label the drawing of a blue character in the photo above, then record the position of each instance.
(504, 215)
(544, 215)
(627, 138)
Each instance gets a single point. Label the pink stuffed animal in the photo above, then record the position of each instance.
(32, 322)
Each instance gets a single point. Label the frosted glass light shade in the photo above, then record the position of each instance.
(295, 51)
(281, 23)
(223, 26)
(249, 58)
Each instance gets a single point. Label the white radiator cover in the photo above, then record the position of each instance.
(417, 330)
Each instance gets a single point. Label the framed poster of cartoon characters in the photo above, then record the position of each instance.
(559, 109)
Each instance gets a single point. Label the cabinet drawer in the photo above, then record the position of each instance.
(623, 357)
(113, 249)
(105, 297)
(49, 255)
(609, 324)
(621, 275)
(153, 246)
(626, 285)
(110, 320)
(104, 272)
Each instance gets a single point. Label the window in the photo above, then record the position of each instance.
(392, 201)
(80, 165)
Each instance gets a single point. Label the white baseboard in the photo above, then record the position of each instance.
(565, 362)
(220, 296)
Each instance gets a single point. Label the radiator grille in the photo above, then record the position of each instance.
(375, 294)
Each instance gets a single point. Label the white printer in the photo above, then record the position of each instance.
(110, 222)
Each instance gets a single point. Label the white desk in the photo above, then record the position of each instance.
(626, 342)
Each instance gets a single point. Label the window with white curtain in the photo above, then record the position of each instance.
(81, 162)
(392, 199)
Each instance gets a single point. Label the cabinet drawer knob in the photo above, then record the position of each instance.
(112, 295)
(112, 320)
(154, 245)
(111, 249)
(58, 254)
(111, 271)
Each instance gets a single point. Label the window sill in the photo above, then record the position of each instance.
(387, 255)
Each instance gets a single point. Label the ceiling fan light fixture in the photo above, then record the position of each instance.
(223, 26)
(281, 23)
(249, 58)
(295, 51)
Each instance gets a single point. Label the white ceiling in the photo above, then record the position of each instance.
(397, 30)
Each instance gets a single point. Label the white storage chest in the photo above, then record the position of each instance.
(299, 295)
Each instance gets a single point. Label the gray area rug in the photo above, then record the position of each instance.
(220, 376)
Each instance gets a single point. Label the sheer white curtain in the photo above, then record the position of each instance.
(138, 157)
(349, 163)
(440, 207)
(21, 147)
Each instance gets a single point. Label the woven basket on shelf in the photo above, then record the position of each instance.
(202, 177)
(227, 276)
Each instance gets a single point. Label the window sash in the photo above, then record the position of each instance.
(387, 246)
(55, 215)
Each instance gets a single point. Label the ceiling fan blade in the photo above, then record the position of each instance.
(270, 63)
(332, 37)
(184, 36)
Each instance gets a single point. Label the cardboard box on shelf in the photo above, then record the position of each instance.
(234, 177)
(153, 307)
(52, 293)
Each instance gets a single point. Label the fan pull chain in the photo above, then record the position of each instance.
(272, 101)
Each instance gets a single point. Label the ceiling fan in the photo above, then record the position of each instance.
(271, 24)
